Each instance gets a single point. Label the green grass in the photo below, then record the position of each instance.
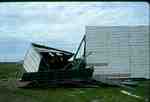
(9, 70)
(10, 93)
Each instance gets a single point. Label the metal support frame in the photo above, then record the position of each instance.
(83, 40)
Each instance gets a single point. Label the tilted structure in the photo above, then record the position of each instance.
(52, 65)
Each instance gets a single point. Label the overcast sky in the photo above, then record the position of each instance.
(61, 24)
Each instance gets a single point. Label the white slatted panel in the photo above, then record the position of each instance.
(139, 48)
(119, 50)
(122, 47)
(32, 60)
(97, 43)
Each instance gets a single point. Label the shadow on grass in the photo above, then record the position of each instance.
(45, 86)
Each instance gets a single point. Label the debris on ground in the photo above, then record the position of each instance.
(130, 83)
(130, 94)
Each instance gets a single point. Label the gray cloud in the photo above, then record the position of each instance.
(65, 22)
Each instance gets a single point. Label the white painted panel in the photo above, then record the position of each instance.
(102, 70)
(138, 71)
(120, 46)
(139, 48)
(32, 60)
